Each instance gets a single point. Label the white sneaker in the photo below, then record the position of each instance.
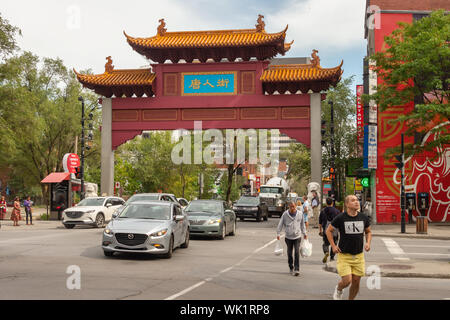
(337, 295)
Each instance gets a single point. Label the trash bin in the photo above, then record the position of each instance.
(421, 225)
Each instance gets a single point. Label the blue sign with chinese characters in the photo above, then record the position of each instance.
(208, 83)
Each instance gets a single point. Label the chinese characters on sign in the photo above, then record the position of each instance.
(204, 83)
(359, 113)
(370, 147)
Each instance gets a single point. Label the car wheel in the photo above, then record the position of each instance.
(99, 221)
(223, 234)
(69, 226)
(233, 232)
(168, 255)
(186, 241)
(242, 219)
(108, 253)
(258, 216)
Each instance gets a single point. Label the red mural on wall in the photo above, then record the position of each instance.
(424, 172)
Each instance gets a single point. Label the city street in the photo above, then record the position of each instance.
(34, 261)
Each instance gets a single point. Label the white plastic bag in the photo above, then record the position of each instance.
(306, 248)
(278, 248)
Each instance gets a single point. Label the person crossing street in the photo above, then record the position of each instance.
(294, 224)
(352, 226)
(326, 216)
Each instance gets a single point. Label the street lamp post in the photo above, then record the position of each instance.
(332, 149)
(82, 147)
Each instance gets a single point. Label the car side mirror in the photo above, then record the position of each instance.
(108, 205)
(114, 215)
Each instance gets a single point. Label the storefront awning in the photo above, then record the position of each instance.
(56, 177)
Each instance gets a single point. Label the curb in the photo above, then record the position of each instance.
(410, 236)
(388, 274)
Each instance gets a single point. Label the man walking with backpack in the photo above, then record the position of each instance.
(326, 216)
(352, 226)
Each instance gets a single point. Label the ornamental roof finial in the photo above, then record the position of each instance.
(260, 26)
(161, 29)
(109, 66)
(315, 58)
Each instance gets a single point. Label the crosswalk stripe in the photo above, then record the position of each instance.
(395, 249)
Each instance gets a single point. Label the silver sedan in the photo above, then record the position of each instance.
(155, 227)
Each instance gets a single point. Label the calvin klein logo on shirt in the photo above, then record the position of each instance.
(354, 227)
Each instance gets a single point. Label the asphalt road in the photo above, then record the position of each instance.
(34, 265)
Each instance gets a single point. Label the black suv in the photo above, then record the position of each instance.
(251, 207)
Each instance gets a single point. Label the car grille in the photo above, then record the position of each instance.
(269, 201)
(74, 214)
(138, 239)
(197, 222)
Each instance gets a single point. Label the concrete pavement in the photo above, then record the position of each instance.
(408, 269)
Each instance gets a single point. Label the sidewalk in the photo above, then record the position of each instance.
(437, 231)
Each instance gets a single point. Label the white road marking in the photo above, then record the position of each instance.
(422, 246)
(430, 254)
(172, 297)
(395, 249)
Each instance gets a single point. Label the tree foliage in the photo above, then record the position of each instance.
(416, 67)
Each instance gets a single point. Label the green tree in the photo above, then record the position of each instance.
(345, 146)
(8, 34)
(34, 125)
(416, 67)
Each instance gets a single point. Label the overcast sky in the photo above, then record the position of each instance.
(83, 32)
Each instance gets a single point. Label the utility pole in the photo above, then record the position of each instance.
(333, 187)
(401, 165)
(82, 147)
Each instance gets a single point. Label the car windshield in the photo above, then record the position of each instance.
(91, 202)
(142, 197)
(146, 211)
(248, 200)
(205, 208)
(271, 190)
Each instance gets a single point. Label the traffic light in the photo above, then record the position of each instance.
(323, 130)
(332, 173)
(399, 158)
(78, 172)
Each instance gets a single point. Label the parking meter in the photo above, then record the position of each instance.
(423, 202)
(410, 205)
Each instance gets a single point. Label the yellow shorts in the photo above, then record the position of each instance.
(351, 264)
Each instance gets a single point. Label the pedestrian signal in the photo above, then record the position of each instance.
(78, 172)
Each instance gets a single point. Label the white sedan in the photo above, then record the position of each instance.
(95, 211)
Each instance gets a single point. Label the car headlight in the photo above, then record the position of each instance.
(254, 208)
(279, 202)
(214, 221)
(108, 231)
(234, 208)
(159, 233)
(90, 211)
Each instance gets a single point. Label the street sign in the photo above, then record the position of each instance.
(70, 162)
(358, 186)
(117, 185)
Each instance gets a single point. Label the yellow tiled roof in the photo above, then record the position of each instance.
(120, 77)
(209, 39)
(300, 72)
